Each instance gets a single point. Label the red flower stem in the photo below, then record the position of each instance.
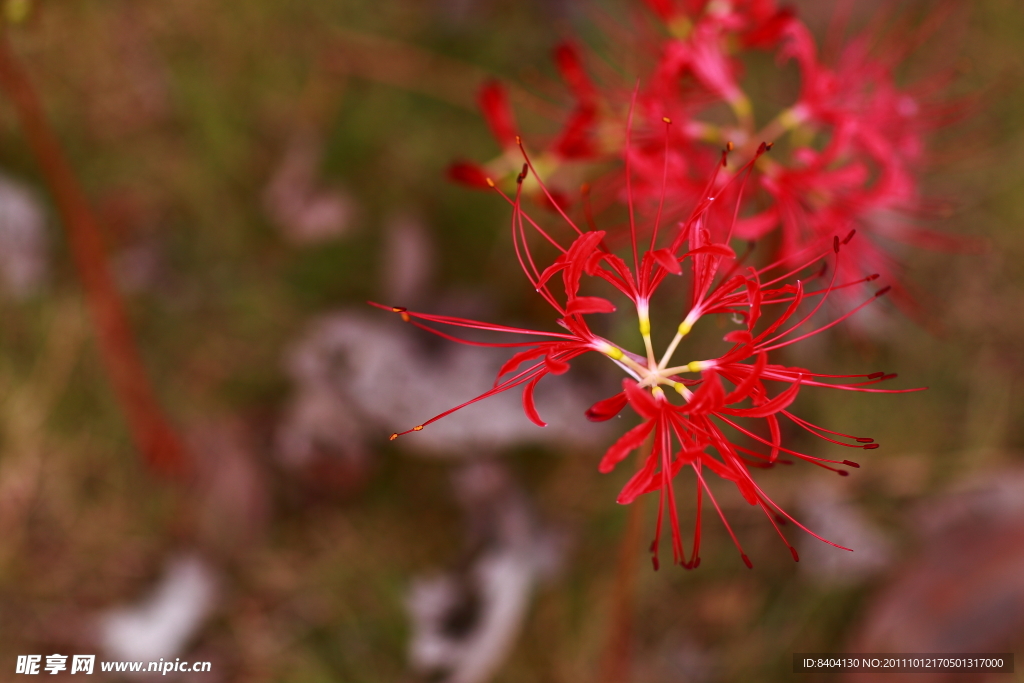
(151, 433)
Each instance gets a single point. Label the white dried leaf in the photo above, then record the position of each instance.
(161, 624)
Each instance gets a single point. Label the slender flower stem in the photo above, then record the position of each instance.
(151, 432)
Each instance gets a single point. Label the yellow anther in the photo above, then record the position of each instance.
(658, 393)
(417, 428)
(405, 317)
(613, 353)
(519, 140)
(729, 146)
(393, 436)
(684, 328)
(645, 326)
(666, 119)
(694, 366)
(490, 183)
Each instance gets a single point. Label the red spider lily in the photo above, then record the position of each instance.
(857, 139)
(713, 427)
(864, 174)
(577, 140)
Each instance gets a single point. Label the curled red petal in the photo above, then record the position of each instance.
(682, 458)
(467, 173)
(626, 444)
(714, 250)
(577, 138)
(748, 383)
(589, 304)
(641, 400)
(640, 481)
(757, 226)
(555, 366)
(493, 101)
(755, 298)
(739, 337)
(776, 432)
(780, 402)
(549, 272)
(529, 407)
(519, 358)
(709, 398)
(667, 260)
(747, 490)
(577, 259)
(593, 262)
(607, 408)
(570, 67)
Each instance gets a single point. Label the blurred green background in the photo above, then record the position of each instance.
(202, 132)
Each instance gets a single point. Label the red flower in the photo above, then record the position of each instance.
(576, 141)
(723, 399)
(856, 139)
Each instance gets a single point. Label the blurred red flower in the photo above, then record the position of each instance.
(851, 145)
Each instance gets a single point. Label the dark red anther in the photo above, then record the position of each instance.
(883, 290)
(769, 146)
(842, 473)
(746, 561)
(872, 277)
(654, 561)
(864, 439)
(846, 240)
(876, 375)
(796, 556)
(891, 375)
(695, 563)
(522, 174)
(851, 463)
(870, 446)
(835, 244)
(780, 519)
(762, 148)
